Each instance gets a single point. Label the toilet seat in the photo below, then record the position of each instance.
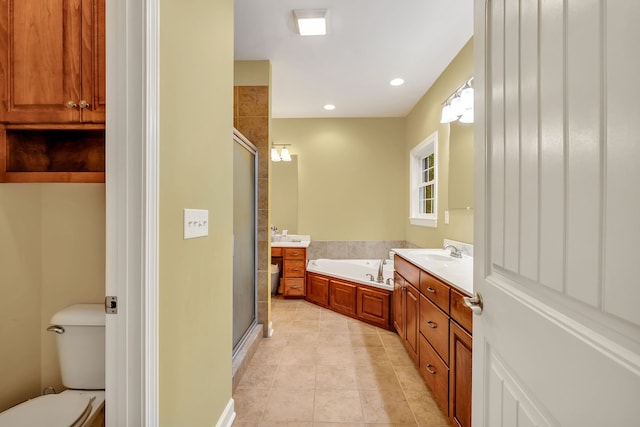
(52, 410)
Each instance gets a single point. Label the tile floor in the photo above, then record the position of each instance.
(324, 369)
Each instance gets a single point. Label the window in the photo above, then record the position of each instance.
(423, 161)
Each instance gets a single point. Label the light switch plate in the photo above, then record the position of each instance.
(446, 217)
(196, 223)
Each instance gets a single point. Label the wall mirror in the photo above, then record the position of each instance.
(284, 195)
(460, 165)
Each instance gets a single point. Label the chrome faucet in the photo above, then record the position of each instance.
(380, 278)
(455, 252)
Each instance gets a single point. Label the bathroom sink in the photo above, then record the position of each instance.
(439, 258)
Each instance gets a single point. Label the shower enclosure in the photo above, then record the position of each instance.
(245, 166)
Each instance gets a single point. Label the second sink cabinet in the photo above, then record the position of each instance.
(292, 262)
(436, 328)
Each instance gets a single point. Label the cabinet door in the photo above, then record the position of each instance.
(398, 304)
(40, 57)
(412, 308)
(92, 103)
(51, 59)
(318, 289)
(460, 373)
(373, 306)
(342, 297)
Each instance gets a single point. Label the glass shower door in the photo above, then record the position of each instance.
(245, 161)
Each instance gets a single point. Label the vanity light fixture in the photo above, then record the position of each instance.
(311, 22)
(282, 156)
(459, 105)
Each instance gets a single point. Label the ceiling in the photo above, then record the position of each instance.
(368, 43)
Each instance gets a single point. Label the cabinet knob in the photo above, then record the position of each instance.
(84, 104)
(71, 104)
(474, 303)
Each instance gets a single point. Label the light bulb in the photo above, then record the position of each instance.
(284, 155)
(447, 114)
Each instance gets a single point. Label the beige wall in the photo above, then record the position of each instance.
(349, 175)
(20, 281)
(51, 256)
(423, 120)
(195, 282)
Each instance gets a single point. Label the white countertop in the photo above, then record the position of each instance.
(291, 241)
(457, 272)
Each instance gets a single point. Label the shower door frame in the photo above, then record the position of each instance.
(240, 139)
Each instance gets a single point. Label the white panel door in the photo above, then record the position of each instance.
(557, 221)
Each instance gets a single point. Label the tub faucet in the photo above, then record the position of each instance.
(455, 252)
(380, 278)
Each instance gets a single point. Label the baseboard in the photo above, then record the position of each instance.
(228, 415)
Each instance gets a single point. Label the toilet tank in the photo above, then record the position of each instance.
(80, 340)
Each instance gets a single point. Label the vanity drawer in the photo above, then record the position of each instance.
(293, 287)
(294, 268)
(295, 253)
(434, 325)
(410, 272)
(460, 312)
(436, 374)
(276, 252)
(435, 290)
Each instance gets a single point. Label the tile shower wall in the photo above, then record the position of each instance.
(352, 249)
(251, 118)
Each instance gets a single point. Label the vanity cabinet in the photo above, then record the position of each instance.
(53, 96)
(436, 328)
(293, 272)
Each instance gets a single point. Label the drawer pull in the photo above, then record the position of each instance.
(430, 289)
(295, 253)
(432, 324)
(295, 269)
(295, 287)
(428, 368)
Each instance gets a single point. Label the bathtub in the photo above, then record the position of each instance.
(354, 270)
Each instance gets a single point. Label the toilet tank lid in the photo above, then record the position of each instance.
(80, 315)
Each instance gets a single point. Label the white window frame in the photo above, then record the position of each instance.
(425, 148)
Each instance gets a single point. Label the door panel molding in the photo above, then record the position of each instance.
(600, 342)
(518, 407)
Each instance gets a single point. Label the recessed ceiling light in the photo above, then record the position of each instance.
(329, 107)
(396, 82)
(311, 22)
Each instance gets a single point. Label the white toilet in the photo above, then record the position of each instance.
(80, 341)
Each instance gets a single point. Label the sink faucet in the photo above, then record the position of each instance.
(380, 278)
(455, 252)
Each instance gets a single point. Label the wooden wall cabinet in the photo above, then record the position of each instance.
(52, 61)
(437, 335)
(53, 91)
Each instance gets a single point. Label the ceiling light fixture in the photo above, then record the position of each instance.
(311, 22)
(396, 82)
(284, 155)
(459, 105)
(329, 107)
